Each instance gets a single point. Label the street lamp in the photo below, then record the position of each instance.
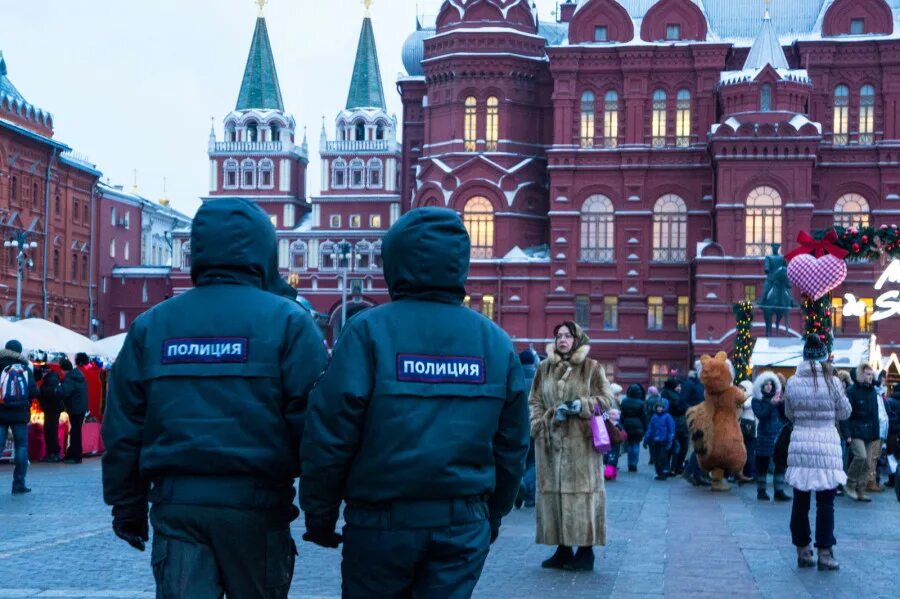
(21, 243)
(344, 253)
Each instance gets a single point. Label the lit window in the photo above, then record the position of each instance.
(487, 306)
(867, 115)
(112, 216)
(471, 124)
(121, 321)
(750, 293)
(339, 174)
(610, 313)
(128, 220)
(765, 98)
(355, 221)
(375, 221)
(841, 115)
(673, 31)
(659, 118)
(851, 210)
(611, 119)
(467, 301)
(684, 313)
(274, 220)
(583, 312)
(127, 251)
(763, 221)
(357, 173)
(857, 26)
(597, 230)
(375, 168)
(601, 33)
(335, 221)
(655, 313)
(112, 248)
(587, 119)
(865, 321)
(837, 314)
(478, 217)
(670, 229)
(683, 119)
(659, 374)
(492, 125)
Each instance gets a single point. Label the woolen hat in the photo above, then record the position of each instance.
(14, 345)
(814, 350)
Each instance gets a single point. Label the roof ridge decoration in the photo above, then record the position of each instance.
(513, 14)
(601, 13)
(6, 86)
(366, 90)
(685, 13)
(766, 48)
(259, 87)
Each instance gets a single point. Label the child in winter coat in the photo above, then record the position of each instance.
(659, 438)
(611, 459)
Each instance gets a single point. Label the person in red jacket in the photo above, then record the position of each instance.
(92, 376)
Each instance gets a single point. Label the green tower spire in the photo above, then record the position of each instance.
(365, 87)
(259, 88)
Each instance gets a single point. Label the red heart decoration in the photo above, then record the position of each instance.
(816, 276)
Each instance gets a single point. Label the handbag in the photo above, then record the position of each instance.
(600, 431)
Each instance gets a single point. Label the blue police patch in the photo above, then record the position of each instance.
(205, 350)
(413, 368)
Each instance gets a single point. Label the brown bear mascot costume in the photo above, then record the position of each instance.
(715, 431)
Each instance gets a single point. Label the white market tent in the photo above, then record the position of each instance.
(787, 352)
(111, 346)
(8, 331)
(39, 334)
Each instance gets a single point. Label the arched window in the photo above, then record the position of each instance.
(867, 115)
(492, 124)
(74, 276)
(230, 133)
(231, 173)
(363, 255)
(299, 252)
(112, 248)
(841, 115)
(360, 130)
(248, 174)
(765, 98)
(597, 230)
(851, 210)
(186, 256)
(56, 205)
(478, 216)
(252, 131)
(379, 131)
(357, 173)
(56, 264)
(76, 210)
(375, 169)
(327, 256)
(659, 118)
(587, 119)
(376, 254)
(763, 220)
(683, 118)
(266, 173)
(87, 213)
(611, 119)
(275, 132)
(339, 174)
(471, 124)
(670, 229)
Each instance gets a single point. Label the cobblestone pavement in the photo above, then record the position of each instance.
(666, 539)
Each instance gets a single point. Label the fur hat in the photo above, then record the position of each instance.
(615, 389)
(814, 350)
(844, 377)
(747, 386)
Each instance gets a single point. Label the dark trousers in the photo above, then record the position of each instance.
(423, 549)
(748, 431)
(204, 552)
(51, 433)
(75, 446)
(800, 532)
(680, 452)
(660, 452)
(20, 451)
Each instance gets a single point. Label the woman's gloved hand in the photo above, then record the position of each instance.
(562, 412)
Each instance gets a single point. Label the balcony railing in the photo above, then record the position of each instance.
(250, 146)
(369, 145)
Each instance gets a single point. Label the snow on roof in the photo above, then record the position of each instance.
(538, 253)
(787, 352)
(732, 77)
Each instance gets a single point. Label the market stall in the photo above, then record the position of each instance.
(111, 346)
(784, 354)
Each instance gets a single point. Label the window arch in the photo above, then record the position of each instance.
(299, 253)
(379, 131)
(492, 124)
(611, 119)
(375, 170)
(186, 256)
(841, 115)
(866, 115)
(763, 220)
(765, 98)
(339, 174)
(357, 173)
(275, 132)
(597, 229)
(266, 173)
(471, 124)
(670, 229)
(363, 255)
(478, 217)
(587, 119)
(376, 254)
(74, 273)
(56, 263)
(231, 173)
(359, 130)
(34, 196)
(683, 118)
(84, 268)
(327, 256)
(248, 174)
(659, 118)
(56, 205)
(76, 210)
(252, 131)
(851, 210)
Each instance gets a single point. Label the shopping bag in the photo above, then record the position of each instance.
(602, 442)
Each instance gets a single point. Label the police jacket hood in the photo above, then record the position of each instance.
(426, 256)
(232, 242)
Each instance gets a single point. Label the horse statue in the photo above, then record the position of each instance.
(777, 300)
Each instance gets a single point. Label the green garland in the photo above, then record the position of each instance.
(818, 319)
(866, 244)
(743, 344)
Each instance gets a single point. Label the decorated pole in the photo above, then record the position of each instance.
(743, 344)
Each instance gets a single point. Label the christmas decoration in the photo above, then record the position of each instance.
(857, 243)
(816, 277)
(743, 344)
(818, 319)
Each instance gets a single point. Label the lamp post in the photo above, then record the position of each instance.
(344, 253)
(21, 243)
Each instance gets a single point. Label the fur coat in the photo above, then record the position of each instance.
(715, 431)
(571, 497)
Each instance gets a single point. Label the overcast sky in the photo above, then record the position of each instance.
(132, 84)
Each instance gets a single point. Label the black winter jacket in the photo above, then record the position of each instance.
(863, 421)
(10, 415)
(74, 393)
(634, 416)
(51, 392)
(678, 409)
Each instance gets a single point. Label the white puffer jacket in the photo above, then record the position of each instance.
(815, 462)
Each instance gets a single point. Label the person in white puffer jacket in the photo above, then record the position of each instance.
(815, 402)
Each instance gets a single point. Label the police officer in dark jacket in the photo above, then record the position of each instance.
(420, 424)
(74, 393)
(205, 413)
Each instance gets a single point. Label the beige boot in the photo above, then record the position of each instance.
(718, 480)
(850, 492)
(827, 561)
(805, 557)
(861, 494)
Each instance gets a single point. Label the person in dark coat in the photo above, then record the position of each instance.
(678, 408)
(634, 421)
(17, 416)
(861, 430)
(74, 394)
(51, 404)
(529, 480)
(768, 408)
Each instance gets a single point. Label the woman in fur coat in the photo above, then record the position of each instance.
(768, 409)
(571, 497)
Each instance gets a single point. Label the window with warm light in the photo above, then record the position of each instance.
(597, 230)
(478, 217)
(670, 229)
(851, 210)
(471, 124)
(335, 221)
(659, 119)
(837, 314)
(492, 124)
(583, 311)
(866, 325)
(841, 129)
(655, 313)
(355, 221)
(684, 313)
(611, 119)
(467, 301)
(762, 223)
(375, 221)
(659, 374)
(299, 252)
(587, 120)
(487, 306)
(683, 118)
(867, 115)
(610, 313)
(750, 292)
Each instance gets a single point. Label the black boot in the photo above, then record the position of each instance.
(520, 498)
(583, 561)
(762, 495)
(559, 560)
(780, 495)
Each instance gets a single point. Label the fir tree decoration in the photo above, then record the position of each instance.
(818, 319)
(743, 344)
